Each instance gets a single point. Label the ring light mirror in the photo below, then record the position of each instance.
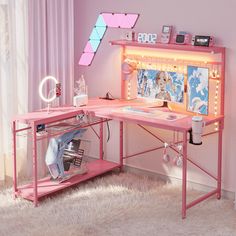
(55, 92)
(47, 78)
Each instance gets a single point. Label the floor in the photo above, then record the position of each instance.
(116, 204)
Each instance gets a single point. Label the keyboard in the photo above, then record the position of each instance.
(150, 113)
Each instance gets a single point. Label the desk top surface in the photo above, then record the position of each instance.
(127, 111)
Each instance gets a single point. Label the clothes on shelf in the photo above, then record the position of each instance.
(55, 151)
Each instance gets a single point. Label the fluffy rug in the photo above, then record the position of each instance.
(116, 204)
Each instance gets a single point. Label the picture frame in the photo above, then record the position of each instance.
(198, 89)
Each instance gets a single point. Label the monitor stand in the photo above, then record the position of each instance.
(164, 105)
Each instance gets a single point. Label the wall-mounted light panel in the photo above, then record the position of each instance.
(104, 21)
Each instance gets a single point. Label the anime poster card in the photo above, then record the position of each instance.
(198, 89)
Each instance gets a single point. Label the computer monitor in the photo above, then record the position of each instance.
(160, 85)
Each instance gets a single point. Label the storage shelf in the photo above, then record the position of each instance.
(58, 128)
(47, 186)
(169, 46)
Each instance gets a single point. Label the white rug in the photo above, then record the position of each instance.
(122, 204)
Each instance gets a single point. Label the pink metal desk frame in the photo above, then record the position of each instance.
(103, 110)
(43, 187)
(183, 126)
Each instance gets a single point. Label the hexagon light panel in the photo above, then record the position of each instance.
(104, 21)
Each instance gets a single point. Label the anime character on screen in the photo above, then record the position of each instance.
(162, 79)
(162, 85)
(198, 89)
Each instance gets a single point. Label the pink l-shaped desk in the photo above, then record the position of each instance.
(104, 111)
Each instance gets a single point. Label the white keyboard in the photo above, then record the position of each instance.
(154, 114)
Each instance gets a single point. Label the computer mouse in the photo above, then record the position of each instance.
(171, 117)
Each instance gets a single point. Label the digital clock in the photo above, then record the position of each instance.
(147, 38)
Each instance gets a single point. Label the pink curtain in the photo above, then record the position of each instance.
(13, 78)
(51, 47)
(51, 52)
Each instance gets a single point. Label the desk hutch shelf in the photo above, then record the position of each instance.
(173, 56)
(126, 43)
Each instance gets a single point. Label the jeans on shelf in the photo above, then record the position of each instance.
(56, 147)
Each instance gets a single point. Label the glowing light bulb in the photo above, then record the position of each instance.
(216, 126)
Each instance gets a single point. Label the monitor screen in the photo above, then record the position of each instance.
(161, 85)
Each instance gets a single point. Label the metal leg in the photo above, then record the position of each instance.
(184, 176)
(121, 145)
(35, 172)
(219, 162)
(14, 158)
(101, 142)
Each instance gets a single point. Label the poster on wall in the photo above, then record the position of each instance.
(198, 89)
(161, 85)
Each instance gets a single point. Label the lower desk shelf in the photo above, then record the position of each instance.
(47, 186)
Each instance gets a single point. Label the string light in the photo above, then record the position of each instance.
(216, 99)
(128, 90)
(216, 126)
(185, 69)
(175, 65)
